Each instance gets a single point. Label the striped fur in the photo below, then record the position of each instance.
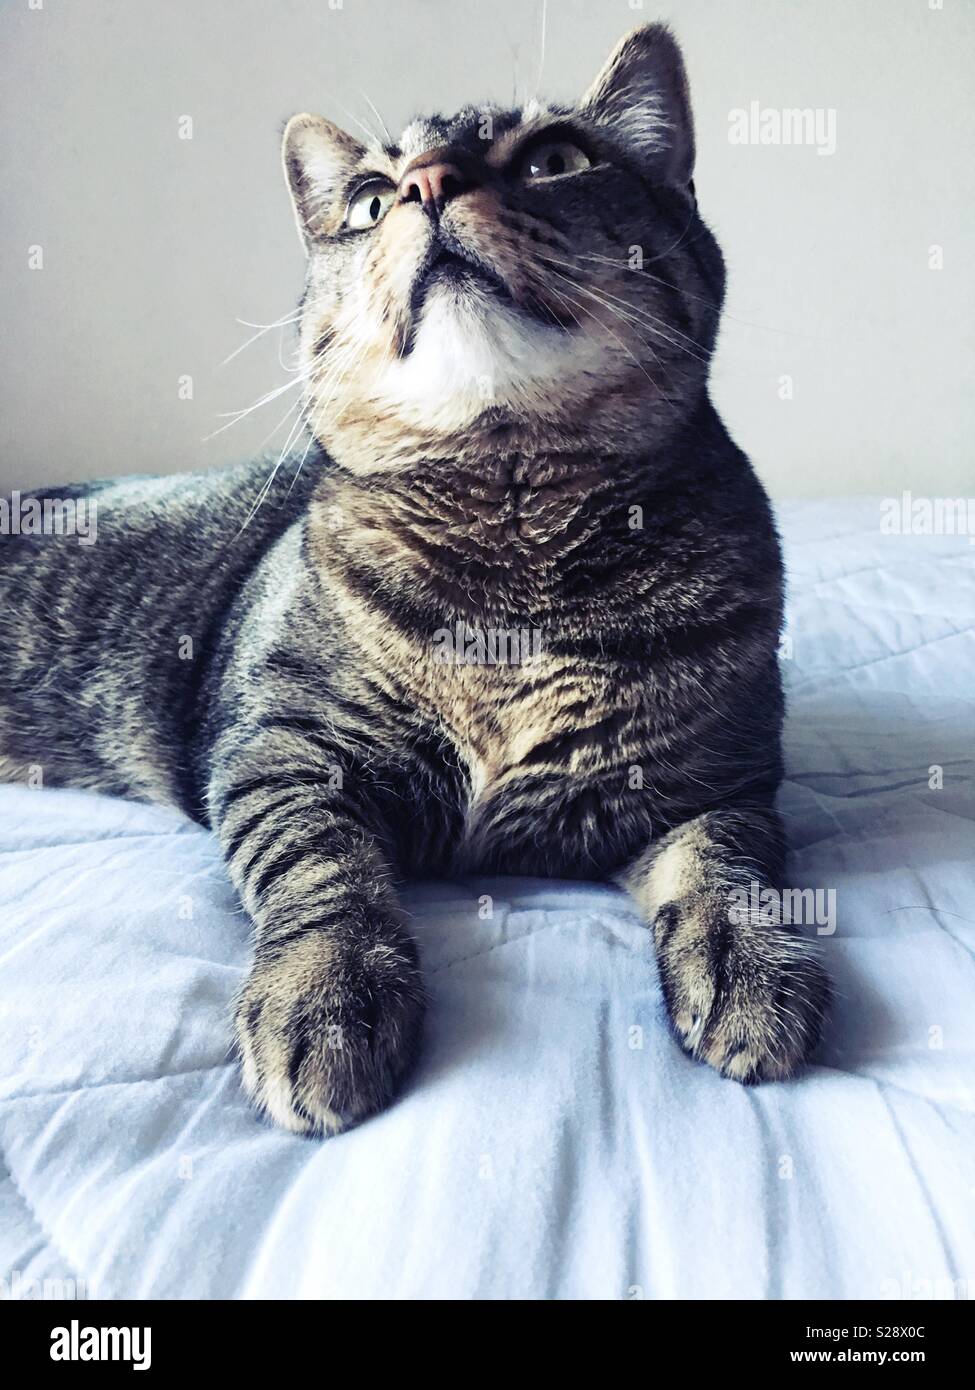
(274, 671)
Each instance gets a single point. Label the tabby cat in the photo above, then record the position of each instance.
(505, 338)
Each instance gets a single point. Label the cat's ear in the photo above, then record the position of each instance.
(642, 94)
(317, 158)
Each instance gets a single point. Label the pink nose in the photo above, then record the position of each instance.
(432, 185)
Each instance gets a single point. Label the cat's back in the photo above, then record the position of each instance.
(121, 588)
(94, 550)
(188, 511)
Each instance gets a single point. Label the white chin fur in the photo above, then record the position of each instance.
(472, 352)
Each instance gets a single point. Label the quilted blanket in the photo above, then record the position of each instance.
(554, 1142)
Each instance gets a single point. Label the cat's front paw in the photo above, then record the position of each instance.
(748, 999)
(327, 1027)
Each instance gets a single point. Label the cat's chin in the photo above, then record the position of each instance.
(472, 349)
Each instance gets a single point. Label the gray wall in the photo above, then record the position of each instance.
(153, 245)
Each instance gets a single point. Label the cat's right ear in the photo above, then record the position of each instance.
(642, 95)
(317, 158)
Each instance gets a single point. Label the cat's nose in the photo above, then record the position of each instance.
(432, 185)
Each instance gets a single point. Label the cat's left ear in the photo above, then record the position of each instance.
(642, 94)
(318, 158)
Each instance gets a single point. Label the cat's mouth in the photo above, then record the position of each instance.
(455, 267)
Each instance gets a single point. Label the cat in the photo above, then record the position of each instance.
(505, 338)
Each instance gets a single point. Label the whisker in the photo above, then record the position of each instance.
(375, 112)
(680, 240)
(286, 318)
(298, 405)
(699, 298)
(238, 415)
(370, 135)
(262, 329)
(611, 309)
(660, 394)
(313, 422)
(541, 55)
(628, 269)
(562, 300)
(655, 325)
(266, 487)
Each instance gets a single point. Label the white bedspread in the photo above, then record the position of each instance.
(554, 1142)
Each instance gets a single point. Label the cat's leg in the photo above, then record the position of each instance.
(329, 1017)
(745, 993)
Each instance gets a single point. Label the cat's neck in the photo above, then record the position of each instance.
(501, 541)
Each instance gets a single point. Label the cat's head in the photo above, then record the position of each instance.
(541, 273)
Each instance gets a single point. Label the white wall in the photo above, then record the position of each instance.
(153, 245)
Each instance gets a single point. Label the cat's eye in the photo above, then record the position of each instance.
(369, 206)
(547, 159)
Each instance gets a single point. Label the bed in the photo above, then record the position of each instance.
(554, 1142)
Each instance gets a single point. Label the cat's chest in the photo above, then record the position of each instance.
(543, 747)
(542, 717)
(497, 715)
